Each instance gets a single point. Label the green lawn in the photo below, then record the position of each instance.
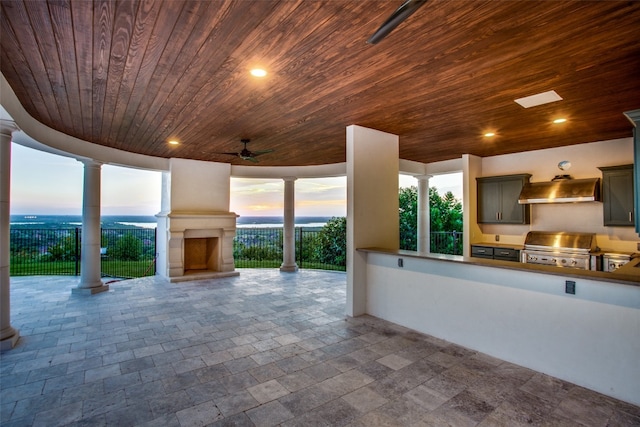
(111, 268)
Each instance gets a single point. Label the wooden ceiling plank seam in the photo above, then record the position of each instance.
(81, 16)
(325, 40)
(301, 38)
(62, 29)
(151, 55)
(182, 88)
(40, 18)
(159, 85)
(18, 19)
(144, 19)
(257, 97)
(148, 79)
(191, 60)
(102, 29)
(121, 34)
(20, 78)
(435, 81)
(253, 37)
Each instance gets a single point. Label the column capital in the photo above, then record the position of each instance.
(7, 127)
(289, 178)
(423, 177)
(633, 116)
(90, 162)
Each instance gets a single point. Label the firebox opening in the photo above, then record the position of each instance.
(201, 254)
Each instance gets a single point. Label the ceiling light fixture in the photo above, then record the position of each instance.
(560, 120)
(174, 142)
(489, 134)
(258, 72)
(539, 99)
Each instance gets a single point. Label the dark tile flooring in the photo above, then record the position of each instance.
(262, 349)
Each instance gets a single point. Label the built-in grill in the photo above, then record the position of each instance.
(561, 249)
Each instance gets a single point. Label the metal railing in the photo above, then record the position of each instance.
(447, 242)
(125, 253)
(263, 248)
(128, 253)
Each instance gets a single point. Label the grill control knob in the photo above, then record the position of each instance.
(564, 261)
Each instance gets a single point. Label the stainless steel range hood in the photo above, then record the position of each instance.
(561, 189)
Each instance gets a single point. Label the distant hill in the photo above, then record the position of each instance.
(144, 221)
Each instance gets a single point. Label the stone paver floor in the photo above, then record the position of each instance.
(262, 349)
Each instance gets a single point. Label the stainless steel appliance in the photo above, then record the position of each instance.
(612, 262)
(561, 249)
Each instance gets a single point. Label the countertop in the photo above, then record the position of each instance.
(629, 274)
(499, 245)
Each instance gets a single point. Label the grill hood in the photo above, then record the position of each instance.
(562, 189)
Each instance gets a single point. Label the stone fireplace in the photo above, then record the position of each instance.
(196, 245)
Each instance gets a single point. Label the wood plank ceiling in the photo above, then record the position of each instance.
(134, 74)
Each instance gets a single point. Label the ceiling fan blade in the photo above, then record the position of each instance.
(251, 159)
(257, 153)
(403, 12)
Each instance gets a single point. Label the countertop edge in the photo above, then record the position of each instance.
(623, 276)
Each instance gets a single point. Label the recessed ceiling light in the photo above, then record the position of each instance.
(490, 134)
(539, 99)
(560, 120)
(258, 72)
(174, 142)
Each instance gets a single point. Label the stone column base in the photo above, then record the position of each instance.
(90, 291)
(10, 342)
(289, 268)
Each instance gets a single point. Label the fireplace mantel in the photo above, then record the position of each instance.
(196, 245)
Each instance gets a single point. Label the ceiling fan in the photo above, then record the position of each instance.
(246, 154)
(403, 12)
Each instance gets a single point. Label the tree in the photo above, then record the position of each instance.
(127, 248)
(445, 216)
(63, 251)
(332, 242)
(408, 206)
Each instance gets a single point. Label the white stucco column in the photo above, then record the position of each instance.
(372, 205)
(289, 237)
(8, 334)
(424, 214)
(90, 278)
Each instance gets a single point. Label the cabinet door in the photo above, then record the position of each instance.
(498, 200)
(617, 194)
(511, 211)
(489, 201)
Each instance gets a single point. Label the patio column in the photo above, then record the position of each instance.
(90, 277)
(424, 214)
(8, 334)
(289, 238)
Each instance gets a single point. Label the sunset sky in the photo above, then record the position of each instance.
(43, 183)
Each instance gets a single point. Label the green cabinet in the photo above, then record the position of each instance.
(618, 195)
(498, 200)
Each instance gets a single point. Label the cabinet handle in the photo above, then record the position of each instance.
(630, 216)
(504, 253)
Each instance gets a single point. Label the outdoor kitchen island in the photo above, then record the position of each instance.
(522, 313)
